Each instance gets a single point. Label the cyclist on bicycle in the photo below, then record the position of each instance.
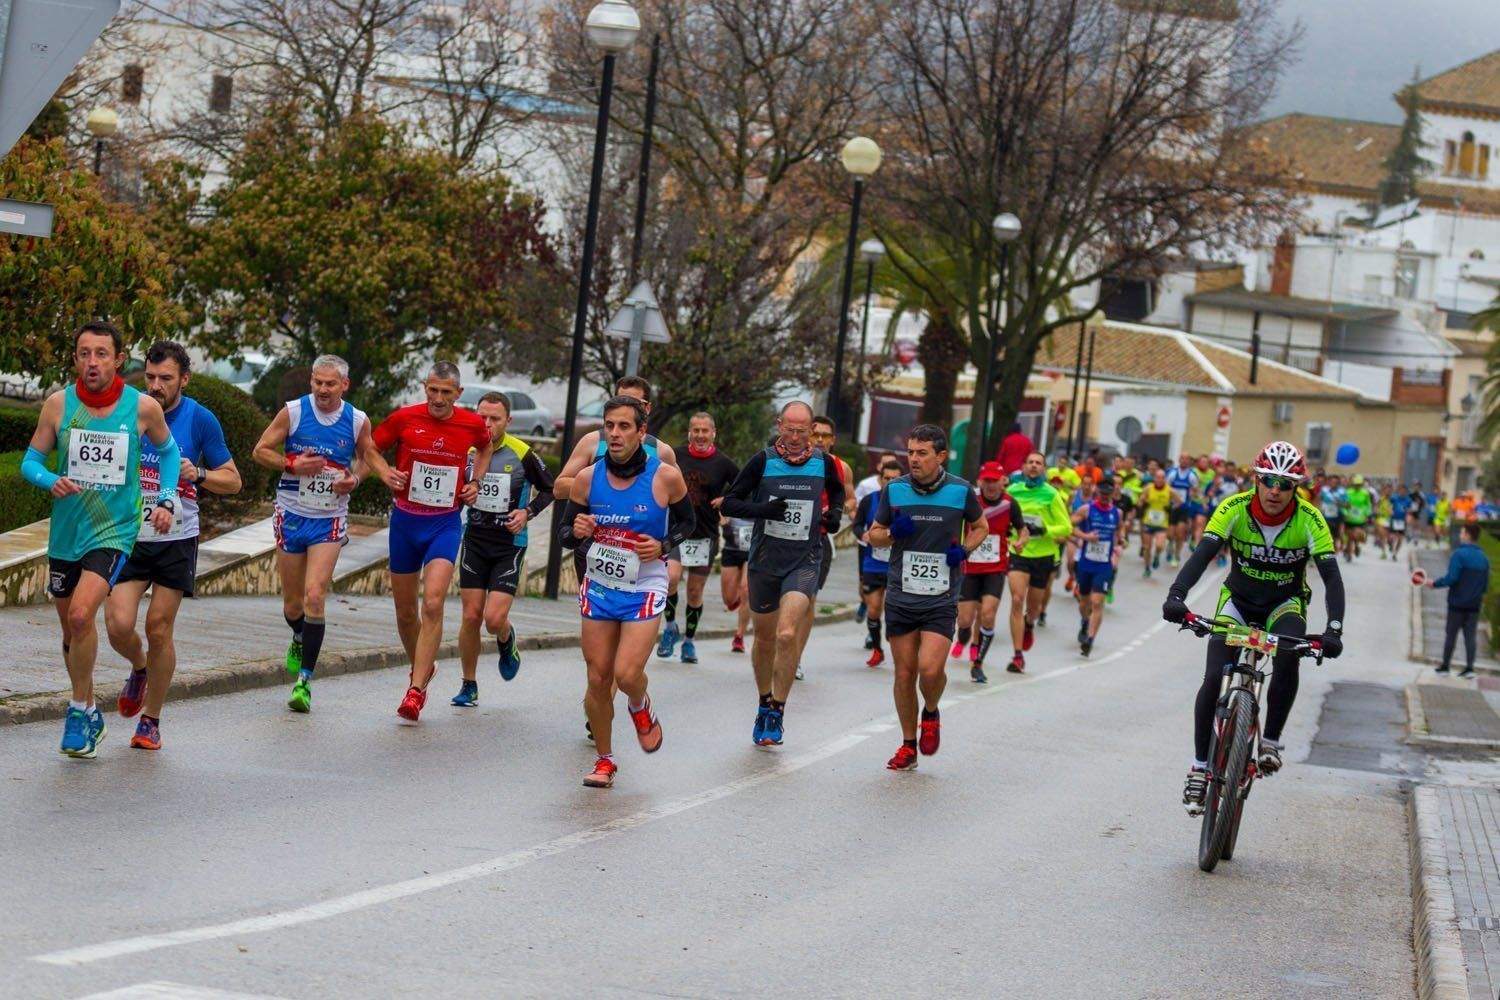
(1271, 533)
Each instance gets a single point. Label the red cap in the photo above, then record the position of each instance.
(991, 470)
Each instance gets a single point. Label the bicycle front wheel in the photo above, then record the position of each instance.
(1230, 757)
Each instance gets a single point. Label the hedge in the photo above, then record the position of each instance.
(243, 424)
(20, 502)
(16, 426)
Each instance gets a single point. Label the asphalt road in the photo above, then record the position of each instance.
(1042, 853)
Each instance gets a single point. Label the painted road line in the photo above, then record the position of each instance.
(163, 990)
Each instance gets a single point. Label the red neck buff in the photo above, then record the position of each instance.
(109, 396)
(794, 457)
(697, 452)
(1103, 503)
(1259, 513)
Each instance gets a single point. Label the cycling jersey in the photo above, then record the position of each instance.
(1358, 504)
(1269, 562)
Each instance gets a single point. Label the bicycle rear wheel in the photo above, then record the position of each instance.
(1221, 811)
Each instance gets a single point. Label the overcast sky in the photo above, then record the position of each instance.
(1356, 53)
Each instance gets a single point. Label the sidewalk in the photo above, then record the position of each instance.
(1434, 612)
(1455, 843)
(227, 644)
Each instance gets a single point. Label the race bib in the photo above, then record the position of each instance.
(613, 566)
(881, 555)
(98, 457)
(924, 573)
(433, 485)
(494, 493)
(795, 524)
(694, 551)
(1398, 523)
(988, 551)
(1156, 517)
(1097, 551)
(743, 534)
(148, 530)
(316, 492)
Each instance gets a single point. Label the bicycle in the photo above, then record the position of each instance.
(1235, 749)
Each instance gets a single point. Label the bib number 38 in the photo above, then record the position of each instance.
(795, 524)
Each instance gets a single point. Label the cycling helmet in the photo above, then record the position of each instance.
(1281, 458)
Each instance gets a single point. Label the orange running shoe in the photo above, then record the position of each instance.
(603, 774)
(132, 694)
(412, 704)
(928, 741)
(147, 735)
(647, 728)
(905, 759)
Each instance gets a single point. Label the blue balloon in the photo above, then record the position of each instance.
(1347, 454)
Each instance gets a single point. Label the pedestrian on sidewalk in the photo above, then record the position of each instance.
(1467, 579)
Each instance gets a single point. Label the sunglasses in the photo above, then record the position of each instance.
(1277, 482)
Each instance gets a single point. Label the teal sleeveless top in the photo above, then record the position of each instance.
(103, 455)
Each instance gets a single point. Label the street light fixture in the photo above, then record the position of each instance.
(861, 158)
(1006, 229)
(611, 26)
(103, 123)
(870, 251)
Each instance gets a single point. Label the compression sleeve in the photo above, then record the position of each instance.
(570, 513)
(1205, 553)
(1333, 587)
(34, 469)
(737, 502)
(680, 521)
(538, 476)
(170, 459)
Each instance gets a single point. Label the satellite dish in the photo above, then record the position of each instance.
(1128, 429)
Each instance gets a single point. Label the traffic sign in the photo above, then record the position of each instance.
(623, 323)
(1128, 429)
(1223, 417)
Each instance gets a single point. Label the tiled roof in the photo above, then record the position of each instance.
(1271, 378)
(1472, 86)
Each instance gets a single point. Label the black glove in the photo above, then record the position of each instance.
(1333, 645)
(831, 520)
(773, 510)
(1174, 609)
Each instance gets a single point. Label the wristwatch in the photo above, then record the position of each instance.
(166, 504)
(1336, 627)
(202, 475)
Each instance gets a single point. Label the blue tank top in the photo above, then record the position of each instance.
(1106, 523)
(623, 516)
(334, 441)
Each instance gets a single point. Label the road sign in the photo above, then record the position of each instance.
(25, 218)
(639, 319)
(1223, 418)
(1128, 429)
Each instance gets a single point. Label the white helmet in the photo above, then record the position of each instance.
(1281, 458)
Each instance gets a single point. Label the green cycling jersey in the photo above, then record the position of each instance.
(1044, 511)
(1268, 564)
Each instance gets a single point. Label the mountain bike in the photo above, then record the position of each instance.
(1235, 749)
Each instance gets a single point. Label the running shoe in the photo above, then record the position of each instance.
(1028, 637)
(1109, 595)
(668, 641)
(588, 730)
(799, 674)
(929, 736)
(976, 674)
(1156, 561)
(1467, 674)
(869, 641)
(905, 759)
(147, 736)
(1270, 757)
(860, 612)
(1083, 629)
(132, 694)
(689, 651)
(468, 695)
(737, 644)
(877, 657)
(774, 731)
(603, 774)
(1017, 664)
(75, 738)
(1041, 620)
(1147, 573)
(957, 650)
(647, 727)
(301, 699)
(1194, 791)
(97, 728)
(294, 658)
(759, 732)
(411, 706)
(510, 659)
(973, 652)
(1086, 646)
(1071, 585)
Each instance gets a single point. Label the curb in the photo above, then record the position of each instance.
(1419, 734)
(1441, 973)
(249, 674)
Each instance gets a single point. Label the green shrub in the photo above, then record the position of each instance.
(20, 502)
(1491, 546)
(16, 426)
(243, 424)
(371, 497)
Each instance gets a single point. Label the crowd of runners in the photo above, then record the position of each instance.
(943, 565)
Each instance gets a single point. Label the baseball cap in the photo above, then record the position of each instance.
(991, 470)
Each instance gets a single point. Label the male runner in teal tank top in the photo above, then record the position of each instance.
(96, 426)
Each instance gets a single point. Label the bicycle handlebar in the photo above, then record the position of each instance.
(1203, 627)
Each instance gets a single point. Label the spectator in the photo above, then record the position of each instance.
(1013, 449)
(1467, 579)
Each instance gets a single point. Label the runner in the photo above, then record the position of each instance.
(1097, 528)
(782, 488)
(1156, 510)
(516, 489)
(984, 572)
(734, 583)
(1383, 521)
(1183, 478)
(432, 479)
(1043, 511)
(1358, 506)
(863, 488)
(1417, 510)
(1330, 502)
(932, 522)
(165, 561)
(1271, 535)
(313, 442)
(708, 472)
(624, 512)
(1400, 513)
(874, 563)
(97, 425)
(824, 436)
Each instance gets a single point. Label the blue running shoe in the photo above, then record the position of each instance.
(468, 695)
(759, 732)
(510, 659)
(668, 641)
(689, 651)
(772, 736)
(859, 613)
(75, 740)
(97, 729)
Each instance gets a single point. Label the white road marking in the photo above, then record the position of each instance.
(163, 990)
(516, 859)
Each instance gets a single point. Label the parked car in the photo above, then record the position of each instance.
(590, 418)
(527, 416)
(243, 374)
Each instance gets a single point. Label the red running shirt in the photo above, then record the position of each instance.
(994, 553)
(433, 453)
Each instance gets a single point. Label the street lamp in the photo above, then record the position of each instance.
(870, 251)
(103, 124)
(861, 158)
(611, 26)
(1006, 229)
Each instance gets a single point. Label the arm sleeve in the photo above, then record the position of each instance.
(1333, 587)
(737, 502)
(1205, 553)
(571, 510)
(538, 476)
(34, 469)
(680, 521)
(216, 452)
(171, 458)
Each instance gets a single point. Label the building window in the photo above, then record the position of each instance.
(1450, 157)
(221, 94)
(1466, 158)
(132, 82)
(1372, 284)
(1464, 482)
(1469, 434)
(890, 419)
(1319, 439)
(1407, 271)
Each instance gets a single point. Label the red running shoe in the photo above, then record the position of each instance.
(905, 759)
(1028, 637)
(1017, 664)
(974, 652)
(877, 657)
(647, 728)
(928, 739)
(603, 774)
(412, 704)
(957, 650)
(737, 644)
(132, 694)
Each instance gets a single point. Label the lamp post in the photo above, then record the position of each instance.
(102, 124)
(1006, 229)
(861, 158)
(612, 27)
(870, 251)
